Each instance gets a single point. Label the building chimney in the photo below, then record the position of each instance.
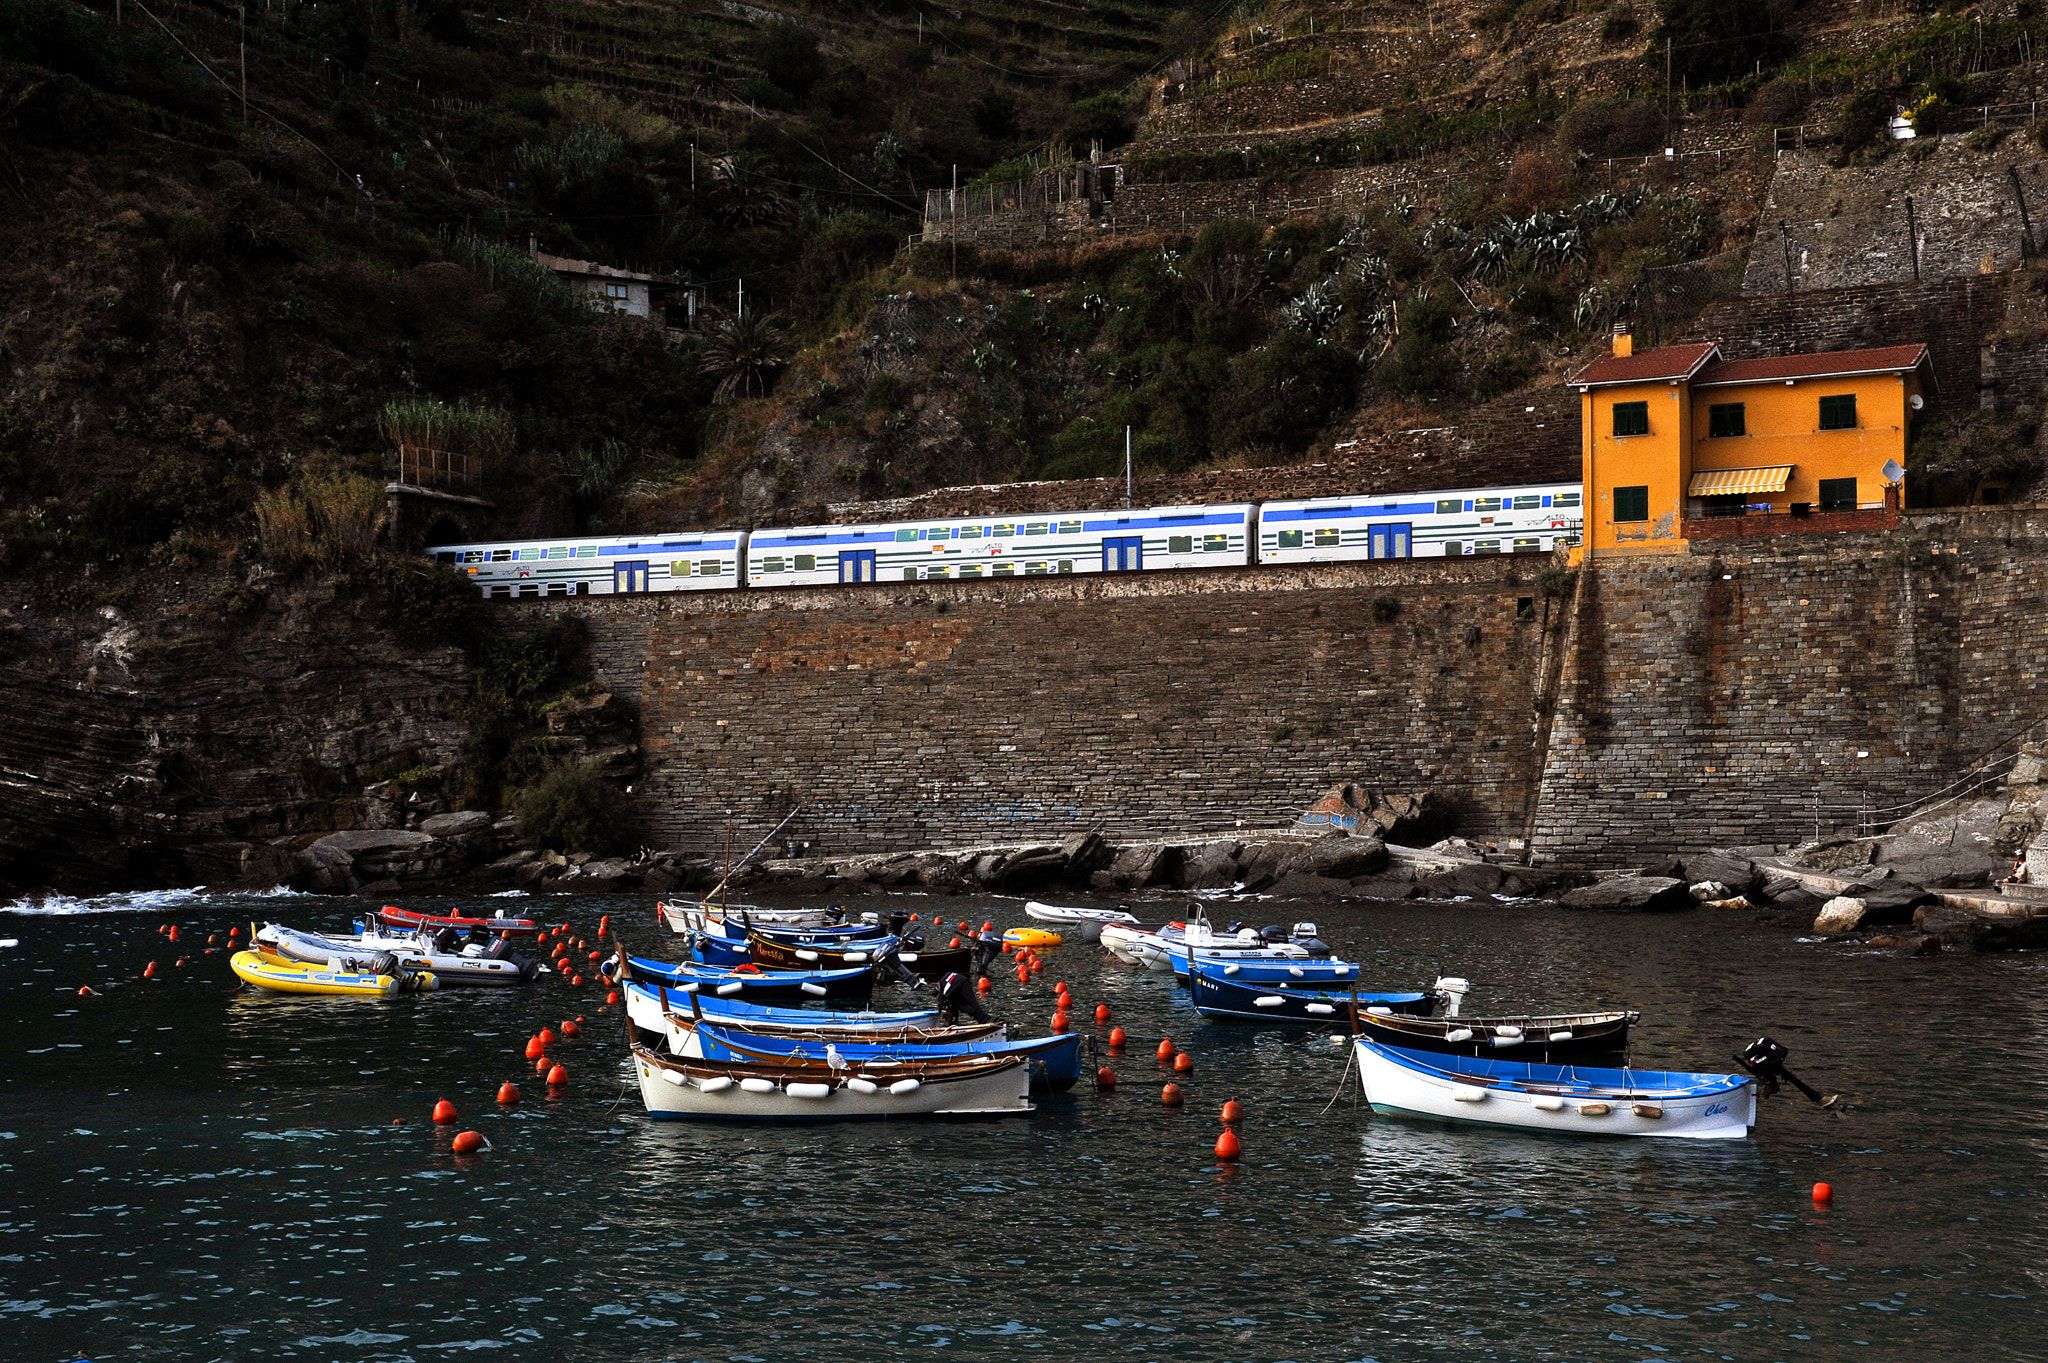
(1624, 344)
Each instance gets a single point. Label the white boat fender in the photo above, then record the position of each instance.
(1547, 1103)
(808, 1090)
(1295, 971)
(1342, 972)
(733, 988)
(1380, 1010)
(1458, 1034)
(812, 988)
(901, 956)
(674, 1077)
(903, 1086)
(1647, 1110)
(806, 954)
(1515, 1032)
(857, 957)
(1467, 1093)
(1321, 1008)
(1594, 1109)
(1268, 1001)
(1507, 1041)
(756, 1086)
(1232, 969)
(1561, 1036)
(718, 1085)
(862, 1086)
(692, 987)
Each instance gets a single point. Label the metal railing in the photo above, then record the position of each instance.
(1984, 770)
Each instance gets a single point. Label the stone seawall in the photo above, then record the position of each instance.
(913, 715)
(1755, 689)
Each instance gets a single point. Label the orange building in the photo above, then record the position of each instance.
(1678, 437)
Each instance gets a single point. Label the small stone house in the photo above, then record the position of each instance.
(647, 296)
(1679, 443)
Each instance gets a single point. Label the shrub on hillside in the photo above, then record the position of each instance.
(1538, 179)
(789, 56)
(1422, 363)
(1721, 40)
(1611, 127)
(1780, 102)
(1863, 119)
(574, 808)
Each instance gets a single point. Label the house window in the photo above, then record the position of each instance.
(1632, 503)
(1726, 419)
(1838, 494)
(1838, 413)
(1631, 418)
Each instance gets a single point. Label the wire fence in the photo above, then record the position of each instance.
(1670, 297)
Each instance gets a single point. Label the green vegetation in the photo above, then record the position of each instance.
(511, 687)
(576, 808)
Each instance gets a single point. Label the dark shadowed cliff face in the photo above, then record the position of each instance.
(140, 745)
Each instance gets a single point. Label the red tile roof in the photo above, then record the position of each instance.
(1889, 359)
(1661, 362)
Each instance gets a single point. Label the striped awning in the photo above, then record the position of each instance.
(1739, 482)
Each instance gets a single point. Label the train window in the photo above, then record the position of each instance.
(1526, 503)
(1215, 544)
(1565, 499)
(792, 538)
(1002, 532)
(710, 567)
(906, 534)
(586, 551)
(939, 533)
(1002, 570)
(1528, 546)
(445, 558)
(935, 570)
(1033, 569)
(1453, 549)
(1486, 503)
(1066, 565)
(970, 570)
(1486, 547)
(500, 555)
(1036, 528)
(558, 589)
(970, 532)
(1070, 527)
(910, 573)
(679, 568)
(1328, 535)
(1449, 506)
(529, 589)
(476, 556)
(583, 589)
(1180, 544)
(807, 563)
(502, 590)
(771, 565)
(1289, 539)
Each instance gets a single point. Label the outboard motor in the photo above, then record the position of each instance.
(987, 947)
(913, 940)
(898, 920)
(383, 963)
(956, 996)
(1452, 991)
(1316, 947)
(890, 967)
(1765, 1059)
(1273, 935)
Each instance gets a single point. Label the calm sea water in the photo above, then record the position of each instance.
(197, 1172)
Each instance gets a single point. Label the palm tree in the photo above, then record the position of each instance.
(744, 354)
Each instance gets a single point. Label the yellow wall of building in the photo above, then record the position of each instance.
(1656, 461)
(1784, 428)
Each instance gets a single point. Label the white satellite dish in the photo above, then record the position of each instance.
(1892, 472)
(1916, 402)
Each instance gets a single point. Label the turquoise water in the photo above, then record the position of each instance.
(196, 1172)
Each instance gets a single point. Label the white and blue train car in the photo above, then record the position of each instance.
(969, 547)
(1512, 520)
(585, 566)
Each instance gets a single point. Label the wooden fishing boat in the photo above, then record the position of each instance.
(730, 947)
(731, 919)
(406, 919)
(931, 965)
(267, 970)
(1055, 1061)
(656, 1008)
(710, 1090)
(1217, 996)
(753, 983)
(1088, 922)
(1554, 1039)
(1574, 1100)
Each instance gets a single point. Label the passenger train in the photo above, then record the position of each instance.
(1512, 520)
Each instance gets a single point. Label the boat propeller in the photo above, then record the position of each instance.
(1765, 1058)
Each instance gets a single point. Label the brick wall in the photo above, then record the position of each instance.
(1763, 527)
(909, 715)
(1712, 698)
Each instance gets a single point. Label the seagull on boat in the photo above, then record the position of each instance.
(834, 1061)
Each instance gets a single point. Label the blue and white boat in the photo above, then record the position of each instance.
(1218, 996)
(753, 983)
(1299, 974)
(647, 999)
(1055, 1060)
(1572, 1100)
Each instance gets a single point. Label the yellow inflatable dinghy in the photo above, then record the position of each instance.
(1031, 937)
(267, 970)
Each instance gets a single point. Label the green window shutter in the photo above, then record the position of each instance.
(1838, 412)
(1631, 418)
(1726, 419)
(1632, 503)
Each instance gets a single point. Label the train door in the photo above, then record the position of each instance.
(1123, 553)
(856, 565)
(1391, 541)
(630, 577)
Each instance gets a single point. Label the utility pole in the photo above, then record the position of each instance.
(1785, 241)
(1667, 92)
(743, 295)
(1127, 468)
(1913, 238)
(242, 42)
(956, 222)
